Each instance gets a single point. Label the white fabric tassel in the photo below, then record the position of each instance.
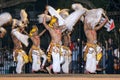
(41, 16)
(5, 18)
(94, 16)
(72, 19)
(22, 37)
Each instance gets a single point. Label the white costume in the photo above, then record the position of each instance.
(19, 54)
(35, 54)
(21, 59)
(21, 37)
(55, 50)
(67, 56)
(91, 61)
(92, 56)
(57, 60)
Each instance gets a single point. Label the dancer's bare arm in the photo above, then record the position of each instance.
(44, 21)
(102, 24)
(86, 25)
(42, 32)
(62, 27)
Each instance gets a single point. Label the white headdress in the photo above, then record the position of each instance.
(24, 17)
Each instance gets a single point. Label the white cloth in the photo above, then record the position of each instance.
(36, 60)
(65, 66)
(91, 61)
(20, 63)
(5, 18)
(67, 60)
(21, 37)
(116, 53)
(57, 60)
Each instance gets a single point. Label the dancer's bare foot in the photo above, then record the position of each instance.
(43, 70)
(49, 71)
(86, 72)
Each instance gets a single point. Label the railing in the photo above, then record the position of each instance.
(6, 61)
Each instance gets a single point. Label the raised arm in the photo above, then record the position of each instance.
(69, 37)
(42, 32)
(62, 27)
(102, 24)
(44, 21)
(86, 25)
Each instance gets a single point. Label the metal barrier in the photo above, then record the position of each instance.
(7, 65)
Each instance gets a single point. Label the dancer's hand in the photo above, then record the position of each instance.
(106, 19)
(44, 19)
(46, 11)
(46, 7)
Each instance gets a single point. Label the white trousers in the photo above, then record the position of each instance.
(57, 60)
(65, 66)
(91, 61)
(20, 63)
(36, 60)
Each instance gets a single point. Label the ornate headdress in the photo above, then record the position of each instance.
(53, 20)
(34, 29)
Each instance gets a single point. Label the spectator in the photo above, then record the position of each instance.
(110, 60)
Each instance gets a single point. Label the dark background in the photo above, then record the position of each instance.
(36, 7)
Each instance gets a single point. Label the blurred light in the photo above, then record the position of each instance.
(78, 40)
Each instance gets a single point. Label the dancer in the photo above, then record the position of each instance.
(66, 51)
(18, 53)
(110, 57)
(35, 52)
(92, 49)
(56, 27)
(55, 45)
(66, 38)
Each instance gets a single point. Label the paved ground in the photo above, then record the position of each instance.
(60, 77)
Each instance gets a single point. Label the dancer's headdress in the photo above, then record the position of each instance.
(53, 20)
(34, 29)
